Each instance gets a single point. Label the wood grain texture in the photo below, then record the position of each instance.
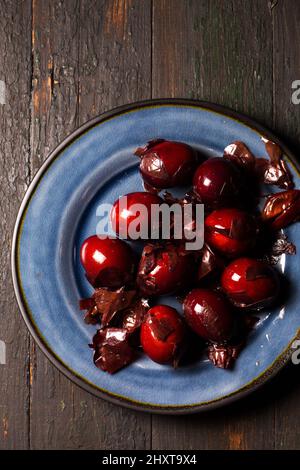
(220, 52)
(78, 73)
(15, 71)
(115, 66)
(115, 54)
(286, 69)
(214, 51)
(65, 62)
(286, 20)
(55, 39)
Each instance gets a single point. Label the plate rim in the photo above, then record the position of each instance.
(250, 387)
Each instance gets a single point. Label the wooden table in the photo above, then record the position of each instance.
(66, 61)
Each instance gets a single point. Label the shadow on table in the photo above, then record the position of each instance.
(277, 391)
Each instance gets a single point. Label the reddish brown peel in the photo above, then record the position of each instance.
(112, 349)
(276, 171)
(282, 209)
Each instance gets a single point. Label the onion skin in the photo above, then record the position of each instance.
(282, 209)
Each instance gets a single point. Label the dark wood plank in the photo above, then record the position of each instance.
(55, 39)
(115, 61)
(214, 51)
(286, 18)
(91, 44)
(15, 40)
(115, 54)
(102, 49)
(286, 400)
(221, 52)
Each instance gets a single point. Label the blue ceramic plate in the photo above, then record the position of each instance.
(94, 165)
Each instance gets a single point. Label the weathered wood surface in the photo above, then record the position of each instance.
(286, 69)
(15, 71)
(86, 58)
(214, 53)
(66, 61)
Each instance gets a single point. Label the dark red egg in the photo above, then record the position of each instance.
(250, 283)
(232, 232)
(162, 334)
(217, 183)
(209, 314)
(132, 213)
(164, 269)
(165, 163)
(108, 262)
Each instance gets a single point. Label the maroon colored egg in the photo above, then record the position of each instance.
(164, 269)
(209, 314)
(162, 334)
(165, 163)
(217, 183)
(133, 212)
(232, 232)
(108, 262)
(250, 283)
